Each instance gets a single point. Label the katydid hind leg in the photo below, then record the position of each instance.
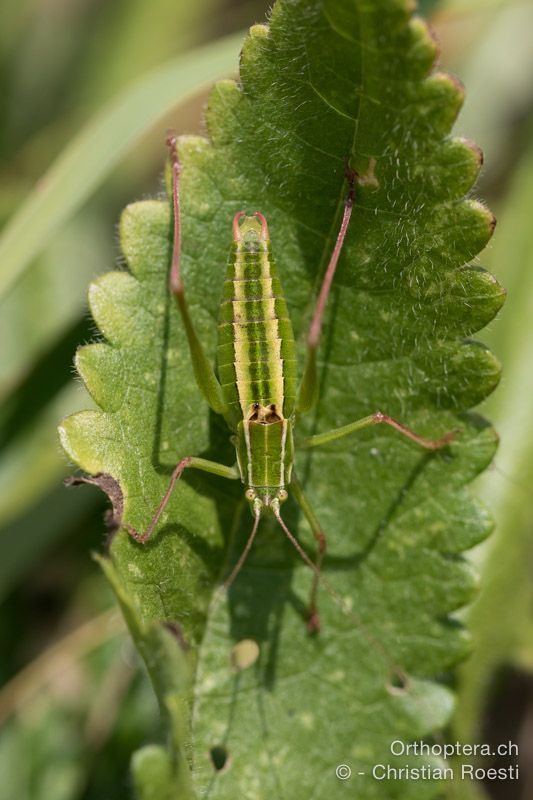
(309, 385)
(189, 461)
(203, 370)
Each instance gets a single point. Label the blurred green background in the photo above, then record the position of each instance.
(89, 88)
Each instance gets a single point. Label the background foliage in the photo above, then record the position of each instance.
(59, 641)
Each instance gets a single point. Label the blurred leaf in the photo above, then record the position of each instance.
(327, 80)
(46, 46)
(48, 300)
(40, 523)
(153, 774)
(47, 712)
(427, 7)
(34, 511)
(98, 148)
(32, 461)
(136, 36)
(170, 665)
(497, 71)
(501, 616)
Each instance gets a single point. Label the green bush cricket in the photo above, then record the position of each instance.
(256, 390)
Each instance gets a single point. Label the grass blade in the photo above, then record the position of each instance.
(101, 145)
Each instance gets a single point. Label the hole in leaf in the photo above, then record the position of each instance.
(398, 682)
(244, 654)
(219, 757)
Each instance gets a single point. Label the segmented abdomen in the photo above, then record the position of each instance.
(256, 352)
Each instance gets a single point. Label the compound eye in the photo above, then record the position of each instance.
(250, 494)
(282, 495)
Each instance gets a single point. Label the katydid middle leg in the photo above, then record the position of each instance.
(313, 623)
(375, 419)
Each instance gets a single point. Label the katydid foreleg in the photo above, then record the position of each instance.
(189, 461)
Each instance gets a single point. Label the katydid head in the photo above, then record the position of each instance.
(265, 499)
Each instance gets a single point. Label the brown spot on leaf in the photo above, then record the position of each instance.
(177, 632)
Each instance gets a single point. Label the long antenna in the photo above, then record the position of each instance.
(395, 669)
(219, 594)
(238, 566)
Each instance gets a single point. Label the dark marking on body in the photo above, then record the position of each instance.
(266, 415)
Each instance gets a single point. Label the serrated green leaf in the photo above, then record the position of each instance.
(500, 618)
(329, 79)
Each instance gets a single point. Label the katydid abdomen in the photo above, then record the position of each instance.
(257, 362)
(256, 353)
